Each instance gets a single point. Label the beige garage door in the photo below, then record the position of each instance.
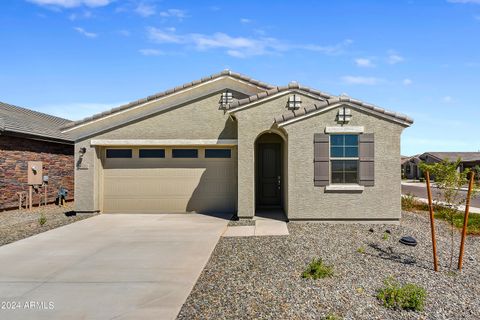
(155, 185)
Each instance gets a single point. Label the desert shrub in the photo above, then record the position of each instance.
(332, 316)
(361, 249)
(408, 202)
(408, 296)
(42, 220)
(317, 270)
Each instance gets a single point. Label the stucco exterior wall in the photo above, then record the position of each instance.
(380, 202)
(201, 119)
(251, 123)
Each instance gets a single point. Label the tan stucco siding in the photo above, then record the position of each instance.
(251, 123)
(188, 97)
(200, 119)
(309, 202)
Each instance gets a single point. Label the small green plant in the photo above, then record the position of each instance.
(332, 316)
(42, 220)
(317, 270)
(408, 296)
(361, 250)
(385, 236)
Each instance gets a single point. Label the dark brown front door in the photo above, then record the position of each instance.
(269, 174)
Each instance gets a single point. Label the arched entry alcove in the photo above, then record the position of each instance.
(270, 174)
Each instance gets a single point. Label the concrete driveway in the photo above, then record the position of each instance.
(125, 266)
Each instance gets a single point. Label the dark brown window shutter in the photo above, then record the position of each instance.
(367, 159)
(321, 159)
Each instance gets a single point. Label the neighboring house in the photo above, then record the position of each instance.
(27, 135)
(468, 159)
(228, 143)
(410, 167)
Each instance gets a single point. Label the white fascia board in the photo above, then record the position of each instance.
(345, 129)
(164, 142)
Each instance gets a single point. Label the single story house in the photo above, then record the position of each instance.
(229, 143)
(411, 170)
(27, 135)
(410, 167)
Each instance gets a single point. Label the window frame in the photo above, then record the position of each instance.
(151, 157)
(118, 149)
(185, 157)
(344, 159)
(216, 156)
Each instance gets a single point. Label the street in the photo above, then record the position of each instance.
(421, 192)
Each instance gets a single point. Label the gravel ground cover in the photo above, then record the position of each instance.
(241, 223)
(19, 224)
(260, 277)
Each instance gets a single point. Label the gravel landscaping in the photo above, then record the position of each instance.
(241, 223)
(260, 277)
(19, 224)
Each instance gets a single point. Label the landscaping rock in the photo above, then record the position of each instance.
(408, 241)
(260, 277)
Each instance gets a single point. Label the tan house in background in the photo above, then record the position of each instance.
(228, 143)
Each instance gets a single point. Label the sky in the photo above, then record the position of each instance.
(74, 58)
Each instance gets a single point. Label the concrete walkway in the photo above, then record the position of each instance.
(126, 266)
(264, 226)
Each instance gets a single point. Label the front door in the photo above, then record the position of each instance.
(269, 174)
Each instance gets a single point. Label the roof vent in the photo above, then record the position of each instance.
(344, 115)
(294, 102)
(225, 99)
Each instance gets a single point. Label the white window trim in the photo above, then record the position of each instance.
(345, 130)
(344, 187)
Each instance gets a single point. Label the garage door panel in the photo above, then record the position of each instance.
(175, 185)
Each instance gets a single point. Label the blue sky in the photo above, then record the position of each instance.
(73, 58)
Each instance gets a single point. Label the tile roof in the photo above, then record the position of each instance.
(274, 90)
(465, 156)
(334, 100)
(223, 73)
(20, 120)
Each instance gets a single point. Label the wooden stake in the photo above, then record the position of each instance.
(465, 221)
(432, 221)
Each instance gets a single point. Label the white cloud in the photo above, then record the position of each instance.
(245, 20)
(71, 3)
(145, 10)
(394, 58)
(363, 62)
(77, 16)
(239, 47)
(361, 80)
(330, 49)
(85, 33)
(407, 82)
(151, 52)
(465, 1)
(447, 99)
(174, 13)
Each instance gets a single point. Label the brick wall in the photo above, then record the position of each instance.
(15, 152)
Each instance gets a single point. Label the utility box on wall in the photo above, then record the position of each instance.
(35, 172)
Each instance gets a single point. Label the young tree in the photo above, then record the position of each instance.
(449, 181)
